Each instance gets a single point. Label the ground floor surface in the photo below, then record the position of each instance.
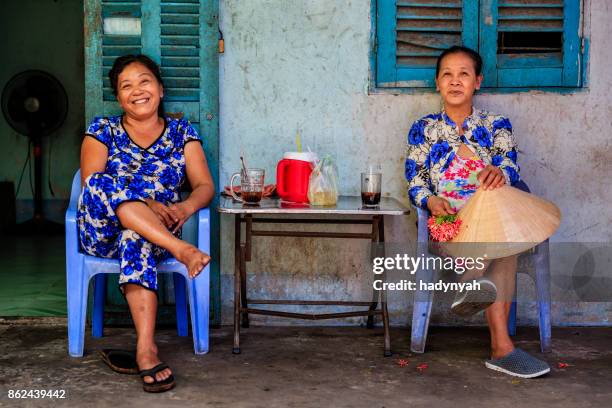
(309, 367)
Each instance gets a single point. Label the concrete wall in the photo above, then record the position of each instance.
(45, 35)
(305, 64)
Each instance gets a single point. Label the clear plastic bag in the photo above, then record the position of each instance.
(323, 183)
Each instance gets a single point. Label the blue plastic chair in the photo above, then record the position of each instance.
(80, 268)
(423, 299)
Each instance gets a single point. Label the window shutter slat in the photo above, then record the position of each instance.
(180, 53)
(530, 3)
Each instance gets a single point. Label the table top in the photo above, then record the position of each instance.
(346, 205)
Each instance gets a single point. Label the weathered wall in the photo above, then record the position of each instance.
(305, 64)
(45, 35)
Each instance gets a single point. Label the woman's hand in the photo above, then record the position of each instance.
(491, 177)
(181, 212)
(163, 212)
(439, 206)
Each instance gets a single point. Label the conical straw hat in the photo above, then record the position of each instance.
(502, 222)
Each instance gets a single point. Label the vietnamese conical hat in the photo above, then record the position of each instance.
(502, 222)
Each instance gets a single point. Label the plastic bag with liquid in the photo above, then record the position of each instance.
(323, 184)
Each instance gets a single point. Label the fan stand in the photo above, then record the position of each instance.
(38, 224)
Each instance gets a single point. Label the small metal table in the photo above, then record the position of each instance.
(256, 214)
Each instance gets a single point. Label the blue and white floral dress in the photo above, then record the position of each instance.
(434, 141)
(133, 173)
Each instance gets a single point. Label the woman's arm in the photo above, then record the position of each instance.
(93, 157)
(417, 175)
(504, 150)
(203, 188)
(198, 174)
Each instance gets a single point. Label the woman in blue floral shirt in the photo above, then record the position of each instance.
(132, 167)
(449, 155)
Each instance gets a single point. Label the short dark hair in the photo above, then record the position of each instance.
(122, 62)
(459, 49)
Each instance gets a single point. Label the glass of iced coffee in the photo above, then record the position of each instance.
(370, 188)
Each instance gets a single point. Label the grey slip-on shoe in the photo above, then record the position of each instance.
(518, 363)
(470, 302)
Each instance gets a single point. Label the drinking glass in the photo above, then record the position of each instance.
(251, 186)
(370, 189)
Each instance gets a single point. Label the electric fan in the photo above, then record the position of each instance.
(35, 104)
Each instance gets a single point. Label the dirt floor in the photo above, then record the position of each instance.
(308, 367)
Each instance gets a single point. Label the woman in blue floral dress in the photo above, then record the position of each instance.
(449, 155)
(132, 167)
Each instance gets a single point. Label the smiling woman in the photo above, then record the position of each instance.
(132, 168)
(136, 80)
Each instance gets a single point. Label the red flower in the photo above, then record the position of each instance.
(402, 363)
(562, 365)
(422, 367)
(443, 228)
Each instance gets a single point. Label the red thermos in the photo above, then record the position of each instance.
(292, 176)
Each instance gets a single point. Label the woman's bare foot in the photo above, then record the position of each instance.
(194, 259)
(146, 358)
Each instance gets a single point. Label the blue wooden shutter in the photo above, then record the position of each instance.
(411, 35)
(530, 43)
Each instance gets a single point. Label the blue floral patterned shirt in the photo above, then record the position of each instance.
(433, 142)
(158, 170)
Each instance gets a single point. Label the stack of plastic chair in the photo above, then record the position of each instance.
(423, 299)
(80, 268)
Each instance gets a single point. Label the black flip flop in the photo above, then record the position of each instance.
(156, 386)
(120, 361)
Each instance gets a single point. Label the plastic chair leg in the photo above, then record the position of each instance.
(420, 325)
(180, 300)
(77, 287)
(97, 318)
(542, 266)
(199, 302)
(421, 312)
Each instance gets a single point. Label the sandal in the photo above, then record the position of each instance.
(120, 361)
(156, 386)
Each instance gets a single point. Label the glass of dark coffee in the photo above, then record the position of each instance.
(370, 189)
(251, 186)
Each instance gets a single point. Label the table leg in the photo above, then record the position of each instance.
(373, 254)
(246, 256)
(385, 314)
(383, 295)
(237, 260)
